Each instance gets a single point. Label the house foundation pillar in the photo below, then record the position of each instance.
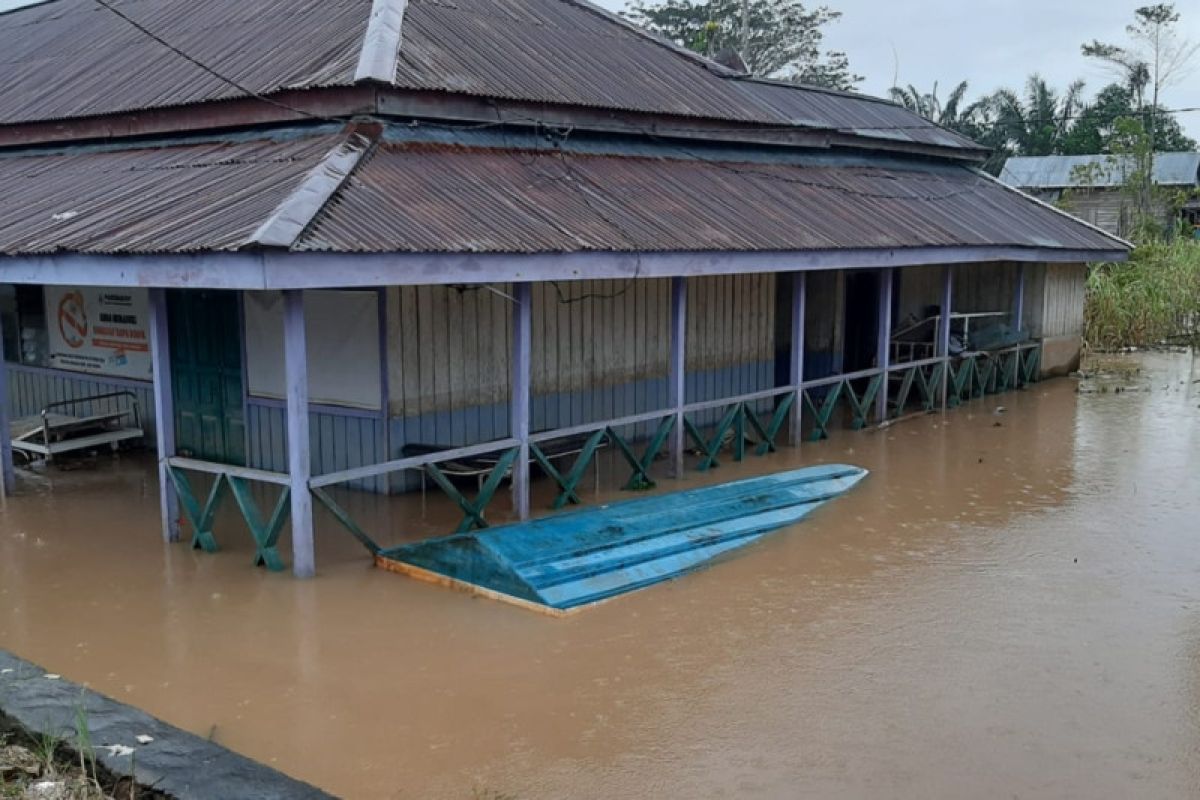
(164, 411)
(796, 364)
(678, 370)
(295, 357)
(883, 356)
(522, 353)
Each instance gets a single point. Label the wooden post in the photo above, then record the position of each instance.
(164, 411)
(1019, 299)
(944, 333)
(522, 353)
(677, 388)
(796, 367)
(8, 476)
(887, 279)
(295, 358)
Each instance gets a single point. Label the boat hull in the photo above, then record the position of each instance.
(567, 561)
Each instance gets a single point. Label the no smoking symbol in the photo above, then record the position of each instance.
(72, 319)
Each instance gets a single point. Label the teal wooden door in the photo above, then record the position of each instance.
(206, 375)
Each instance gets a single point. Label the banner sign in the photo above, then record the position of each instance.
(98, 330)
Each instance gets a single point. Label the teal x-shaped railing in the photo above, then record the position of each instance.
(755, 420)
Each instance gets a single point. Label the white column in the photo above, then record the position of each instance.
(8, 478)
(522, 354)
(295, 358)
(883, 355)
(796, 367)
(943, 349)
(677, 388)
(164, 411)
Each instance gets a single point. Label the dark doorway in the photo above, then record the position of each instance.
(206, 375)
(862, 320)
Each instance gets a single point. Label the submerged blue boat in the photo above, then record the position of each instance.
(560, 563)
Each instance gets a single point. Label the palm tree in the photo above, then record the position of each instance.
(931, 107)
(1038, 123)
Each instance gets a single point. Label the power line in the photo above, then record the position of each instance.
(209, 70)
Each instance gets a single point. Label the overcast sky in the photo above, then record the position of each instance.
(990, 43)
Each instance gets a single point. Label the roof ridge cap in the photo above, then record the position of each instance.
(380, 54)
(287, 223)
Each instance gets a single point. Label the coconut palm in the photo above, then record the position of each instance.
(1036, 124)
(930, 106)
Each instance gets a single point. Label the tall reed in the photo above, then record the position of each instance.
(1153, 298)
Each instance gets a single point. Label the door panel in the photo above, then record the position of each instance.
(206, 374)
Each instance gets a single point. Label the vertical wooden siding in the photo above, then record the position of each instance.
(977, 288)
(984, 287)
(1063, 299)
(919, 288)
(600, 351)
(448, 363)
(338, 441)
(825, 302)
(731, 335)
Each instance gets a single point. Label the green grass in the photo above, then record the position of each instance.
(1153, 298)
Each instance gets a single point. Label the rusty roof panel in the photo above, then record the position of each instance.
(437, 198)
(855, 114)
(557, 52)
(451, 198)
(195, 197)
(74, 58)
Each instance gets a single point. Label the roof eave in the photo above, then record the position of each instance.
(278, 269)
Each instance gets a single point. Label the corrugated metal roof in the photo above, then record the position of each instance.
(856, 114)
(184, 198)
(73, 58)
(436, 197)
(557, 52)
(1059, 172)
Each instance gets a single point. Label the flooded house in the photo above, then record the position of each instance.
(315, 251)
(1092, 187)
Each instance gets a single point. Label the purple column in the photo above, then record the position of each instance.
(944, 332)
(8, 477)
(796, 367)
(295, 358)
(678, 369)
(164, 411)
(1019, 298)
(519, 409)
(883, 356)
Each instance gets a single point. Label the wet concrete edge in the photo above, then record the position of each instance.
(177, 763)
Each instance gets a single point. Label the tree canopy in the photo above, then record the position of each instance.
(773, 38)
(1097, 126)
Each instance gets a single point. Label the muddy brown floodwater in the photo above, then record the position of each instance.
(1009, 606)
